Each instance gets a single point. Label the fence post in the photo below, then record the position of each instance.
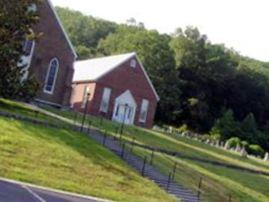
(174, 171)
(104, 140)
(151, 157)
(89, 126)
(169, 181)
(144, 166)
(75, 121)
(122, 150)
(199, 187)
(132, 145)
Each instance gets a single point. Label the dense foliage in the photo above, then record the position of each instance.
(203, 85)
(16, 21)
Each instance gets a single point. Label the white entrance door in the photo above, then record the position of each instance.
(124, 113)
(124, 109)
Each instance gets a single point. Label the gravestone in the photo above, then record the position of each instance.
(238, 148)
(266, 156)
(227, 146)
(222, 144)
(243, 152)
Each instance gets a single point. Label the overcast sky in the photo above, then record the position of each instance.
(241, 24)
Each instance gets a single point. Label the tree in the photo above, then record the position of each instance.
(85, 31)
(158, 59)
(16, 21)
(226, 126)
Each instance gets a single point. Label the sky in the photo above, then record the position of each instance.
(239, 24)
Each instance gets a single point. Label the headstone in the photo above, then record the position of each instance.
(238, 148)
(170, 129)
(217, 144)
(226, 146)
(266, 156)
(243, 152)
(207, 141)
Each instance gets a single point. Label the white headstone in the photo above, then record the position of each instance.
(243, 152)
(238, 148)
(226, 146)
(266, 156)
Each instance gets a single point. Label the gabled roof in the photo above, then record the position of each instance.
(62, 28)
(94, 69)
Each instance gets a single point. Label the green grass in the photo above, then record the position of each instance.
(26, 111)
(69, 161)
(218, 182)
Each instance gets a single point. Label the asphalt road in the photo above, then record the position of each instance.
(11, 192)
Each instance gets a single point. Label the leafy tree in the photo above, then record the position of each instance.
(16, 21)
(85, 31)
(195, 79)
(157, 57)
(226, 126)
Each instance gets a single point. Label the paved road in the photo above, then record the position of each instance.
(11, 192)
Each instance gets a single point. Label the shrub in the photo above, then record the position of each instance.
(226, 125)
(256, 150)
(233, 142)
(182, 129)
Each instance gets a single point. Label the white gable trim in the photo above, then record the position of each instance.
(117, 65)
(148, 79)
(142, 67)
(62, 28)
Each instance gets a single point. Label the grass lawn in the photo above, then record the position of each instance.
(69, 161)
(218, 182)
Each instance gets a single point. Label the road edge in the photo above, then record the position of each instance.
(53, 190)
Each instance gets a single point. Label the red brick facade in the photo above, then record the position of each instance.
(119, 80)
(52, 44)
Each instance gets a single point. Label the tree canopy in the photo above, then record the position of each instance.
(198, 82)
(16, 22)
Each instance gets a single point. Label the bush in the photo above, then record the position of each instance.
(245, 144)
(226, 125)
(29, 89)
(256, 150)
(182, 129)
(233, 142)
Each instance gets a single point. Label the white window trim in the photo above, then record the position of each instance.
(29, 59)
(55, 78)
(108, 101)
(85, 96)
(146, 116)
(133, 63)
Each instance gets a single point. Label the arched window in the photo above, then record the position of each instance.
(51, 76)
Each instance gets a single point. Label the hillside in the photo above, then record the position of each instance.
(199, 83)
(68, 161)
(218, 182)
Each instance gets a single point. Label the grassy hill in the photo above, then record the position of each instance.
(68, 161)
(218, 182)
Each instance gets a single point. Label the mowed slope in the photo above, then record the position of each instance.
(69, 161)
(219, 183)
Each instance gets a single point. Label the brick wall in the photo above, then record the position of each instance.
(119, 80)
(52, 44)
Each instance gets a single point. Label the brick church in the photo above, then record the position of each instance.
(118, 88)
(50, 58)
